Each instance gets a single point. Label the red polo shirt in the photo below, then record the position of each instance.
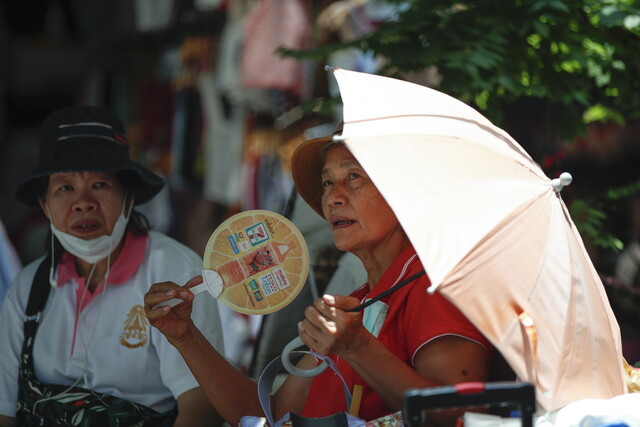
(415, 317)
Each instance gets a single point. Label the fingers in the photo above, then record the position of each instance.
(320, 326)
(342, 302)
(310, 335)
(324, 308)
(321, 316)
(193, 282)
(160, 292)
(158, 312)
(331, 308)
(164, 291)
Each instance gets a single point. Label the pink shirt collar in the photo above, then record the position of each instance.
(122, 269)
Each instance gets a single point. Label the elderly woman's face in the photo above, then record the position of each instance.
(358, 215)
(83, 204)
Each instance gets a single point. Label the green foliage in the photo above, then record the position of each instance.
(623, 192)
(577, 55)
(590, 215)
(589, 221)
(579, 58)
(320, 106)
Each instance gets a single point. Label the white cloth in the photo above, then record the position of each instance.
(627, 268)
(617, 411)
(223, 138)
(10, 264)
(140, 366)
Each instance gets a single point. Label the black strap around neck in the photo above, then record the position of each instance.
(38, 297)
(388, 291)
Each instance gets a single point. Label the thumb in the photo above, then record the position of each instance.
(342, 302)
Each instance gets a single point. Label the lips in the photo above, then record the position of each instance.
(85, 226)
(341, 222)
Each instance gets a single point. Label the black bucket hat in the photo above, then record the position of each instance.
(86, 139)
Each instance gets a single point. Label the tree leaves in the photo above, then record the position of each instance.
(581, 52)
(577, 59)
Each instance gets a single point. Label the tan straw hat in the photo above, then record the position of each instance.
(306, 169)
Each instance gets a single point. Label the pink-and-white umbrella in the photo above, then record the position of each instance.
(492, 232)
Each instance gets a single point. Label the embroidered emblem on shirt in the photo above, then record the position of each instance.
(135, 334)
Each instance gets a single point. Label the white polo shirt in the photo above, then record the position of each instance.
(107, 341)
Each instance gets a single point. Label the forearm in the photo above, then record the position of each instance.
(385, 373)
(445, 361)
(232, 394)
(195, 410)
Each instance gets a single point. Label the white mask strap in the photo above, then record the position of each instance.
(53, 279)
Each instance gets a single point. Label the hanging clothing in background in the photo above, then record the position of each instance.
(185, 141)
(10, 264)
(223, 140)
(155, 120)
(249, 199)
(229, 54)
(272, 185)
(229, 64)
(270, 25)
(154, 15)
(265, 184)
(209, 5)
(348, 20)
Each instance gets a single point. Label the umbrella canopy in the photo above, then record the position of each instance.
(492, 232)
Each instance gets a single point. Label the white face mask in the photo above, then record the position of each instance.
(374, 316)
(94, 250)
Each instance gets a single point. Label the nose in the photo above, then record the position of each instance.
(85, 203)
(335, 196)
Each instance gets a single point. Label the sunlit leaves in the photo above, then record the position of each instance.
(600, 113)
(574, 54)
(578, 58)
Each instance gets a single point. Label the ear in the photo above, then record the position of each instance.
(43, 206)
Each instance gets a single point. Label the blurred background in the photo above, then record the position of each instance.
(216, 94)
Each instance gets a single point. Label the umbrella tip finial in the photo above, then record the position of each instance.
(328, 68)
(559, 183)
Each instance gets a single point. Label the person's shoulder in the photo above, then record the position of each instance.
(166, 252)
(29, 271)
(160, 242)
(21, 285)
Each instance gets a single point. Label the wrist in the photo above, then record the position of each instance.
(360, 349)
(185, 339)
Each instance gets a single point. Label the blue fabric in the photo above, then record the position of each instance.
(9, 262)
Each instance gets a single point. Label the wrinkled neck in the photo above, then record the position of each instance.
(377, 259)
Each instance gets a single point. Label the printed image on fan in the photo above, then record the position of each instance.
(262, 259)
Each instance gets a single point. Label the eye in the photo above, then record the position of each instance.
(354, 175)
(65, 187)
(100, 184)
(327, 182)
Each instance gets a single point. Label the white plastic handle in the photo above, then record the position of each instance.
(290, 367)
(175, 301)
(211, 282)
